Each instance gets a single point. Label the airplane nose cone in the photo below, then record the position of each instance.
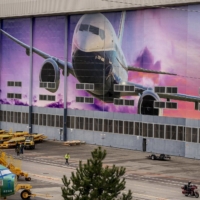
(87, 41)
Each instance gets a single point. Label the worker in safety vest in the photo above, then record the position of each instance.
(67, 157)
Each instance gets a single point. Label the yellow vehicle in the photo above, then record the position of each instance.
(29, 142)
(2, 131)
(19, 134)
(15, 170)
(12, 142)
(5, 137)
(38, 137)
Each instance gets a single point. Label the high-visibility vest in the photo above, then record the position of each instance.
(67, 156)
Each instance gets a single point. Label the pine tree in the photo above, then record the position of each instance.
(92, 181)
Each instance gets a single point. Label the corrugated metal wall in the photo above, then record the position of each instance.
(12, 8)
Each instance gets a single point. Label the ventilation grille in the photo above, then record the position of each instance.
(126, 102)
(172, 90)
(124, 88)
(12, 84)
(171, 105)
(159, 104)
(18, 84)
(159, 89)
(48, 85)
(47, 97)
(88, 100)
(85, 86)
(80, 99)
(18, 96)
(10, 95)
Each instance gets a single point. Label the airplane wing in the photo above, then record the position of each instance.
(138, 69)
(181, 97)
(169, 96)
(44, 55)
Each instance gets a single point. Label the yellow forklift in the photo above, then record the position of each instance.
(29, 142)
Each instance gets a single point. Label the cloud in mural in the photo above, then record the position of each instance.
(58, 104)
(146, 60)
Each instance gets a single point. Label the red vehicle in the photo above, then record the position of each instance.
(192, 190)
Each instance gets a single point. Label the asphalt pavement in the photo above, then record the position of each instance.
(173, 173)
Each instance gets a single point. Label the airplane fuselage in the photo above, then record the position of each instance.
(97, 56)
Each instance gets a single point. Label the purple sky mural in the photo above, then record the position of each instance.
(155, 39)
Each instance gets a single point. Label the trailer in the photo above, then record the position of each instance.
(159, 157)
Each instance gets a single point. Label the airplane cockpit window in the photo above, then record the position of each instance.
(83, 27)
(102, 34)
(94, 30)
(5, 172)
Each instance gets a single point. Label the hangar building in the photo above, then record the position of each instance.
(115, 73)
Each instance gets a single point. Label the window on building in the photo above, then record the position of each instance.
(11, 116)
(8, 116)
(35, 118)
(144, 130)
(194, 134)
(181, 133)
(50, 120)
(57, 121)
(61, 121)
(126, 127)
(23, 118)
(19, 117)
(162, 131)
(173, 133)
(168, 132)
(188, 134)
(98, 124)
(40, 119)
(121, 127)
(81, 123)
(44, 120)
(131, 128)
(137, 128)
(15, 117)
(156, 130)
(150, 130)
(72, 122)
(77, 122)
(1, 115)
(116, 126)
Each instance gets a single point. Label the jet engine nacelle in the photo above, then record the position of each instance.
(146, 104)
(50, 74)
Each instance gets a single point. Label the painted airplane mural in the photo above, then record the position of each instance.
(97, 58)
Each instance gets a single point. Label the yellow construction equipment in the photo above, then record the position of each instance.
(38, 137)
(5, 137)
(2, 131)
(10, 165)
(12, 142)
(19, 134)
(29, 142)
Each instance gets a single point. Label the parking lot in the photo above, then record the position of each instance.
(53, 152)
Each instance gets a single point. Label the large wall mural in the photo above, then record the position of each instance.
(141, 49)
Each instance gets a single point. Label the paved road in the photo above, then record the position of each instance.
(147, 179)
